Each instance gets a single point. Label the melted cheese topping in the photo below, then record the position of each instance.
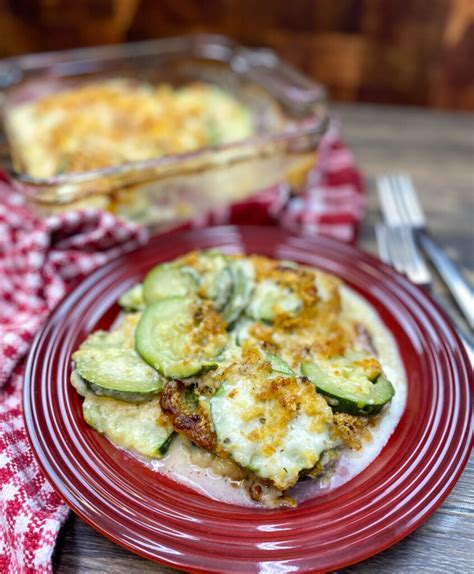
(112, 122)
(271, 300)
(316, 327)
(275, 429)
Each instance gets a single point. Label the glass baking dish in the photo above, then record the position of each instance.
(288, 112)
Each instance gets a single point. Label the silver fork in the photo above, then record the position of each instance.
(401, 208)
(396, 247)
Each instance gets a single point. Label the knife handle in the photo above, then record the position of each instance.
(451, 275)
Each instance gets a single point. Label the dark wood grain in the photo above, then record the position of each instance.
(438, 151)
(362, 50)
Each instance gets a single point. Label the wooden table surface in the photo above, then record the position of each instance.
(437, 149)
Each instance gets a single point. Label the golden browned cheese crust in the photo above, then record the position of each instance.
(208, 327)
(111, 122)
(287, 397)
(318, 328)
(297, 279)
(352, 430)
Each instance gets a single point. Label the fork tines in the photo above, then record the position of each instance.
(399, 202)
(397, 247)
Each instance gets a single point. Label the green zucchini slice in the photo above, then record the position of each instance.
(104, 340)
(117, 372)
(217, 286)
(356, 387)
(121, 336)
(270, 300)
(180, 337)
(141, 428)
(132, 300)
(267, 436)
(278, 364)
(169, 280)
(242, 286)
(240, 330)
(216, 280)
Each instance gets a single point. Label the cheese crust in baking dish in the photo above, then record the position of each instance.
(109, 123)
(253, 380)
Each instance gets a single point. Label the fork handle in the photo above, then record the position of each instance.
(451, 275)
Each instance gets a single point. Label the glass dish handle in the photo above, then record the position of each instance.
(298, 92)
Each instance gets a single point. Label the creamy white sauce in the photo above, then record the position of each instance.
(177, 464)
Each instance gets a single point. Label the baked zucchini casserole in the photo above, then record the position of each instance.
(111, 122)
(270, 378)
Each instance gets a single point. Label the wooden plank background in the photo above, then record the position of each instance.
(417, 52)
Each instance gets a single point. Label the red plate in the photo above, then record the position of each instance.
(162, 520)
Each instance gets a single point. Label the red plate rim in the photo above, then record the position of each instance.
(166, 522)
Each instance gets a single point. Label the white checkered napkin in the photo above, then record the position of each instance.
(39, 261)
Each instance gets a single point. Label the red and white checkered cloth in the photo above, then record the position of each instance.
(40, 260)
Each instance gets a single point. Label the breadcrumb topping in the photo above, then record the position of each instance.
(112, 122)
(351, 429)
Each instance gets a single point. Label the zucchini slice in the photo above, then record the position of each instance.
(121, 336)
(240, 330)
(169, 280)
(242, 338)
(274, 439)
(242, 286)
(117, 372)
(270, 300)
(142, 428)
(132, 300)
(356, 387)
(215, 277)
(278, 364)
(217, 286)
(180, 337)
(79, 383)
(104, 340)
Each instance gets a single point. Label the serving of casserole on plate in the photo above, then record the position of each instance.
(269, 374)
(309, 407)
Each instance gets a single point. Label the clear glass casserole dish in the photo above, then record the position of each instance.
(287, 111)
